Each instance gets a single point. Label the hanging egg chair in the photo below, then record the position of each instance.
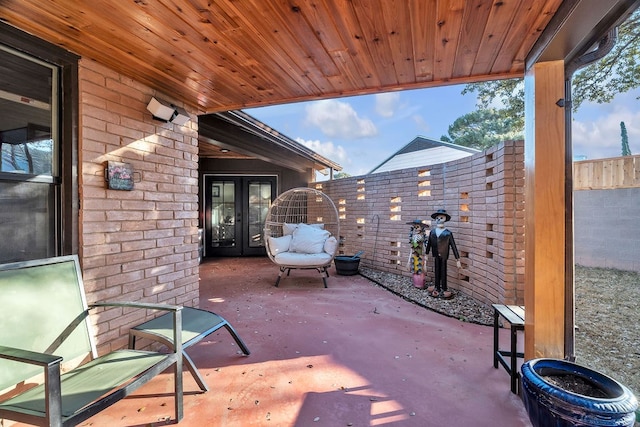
(301, 231)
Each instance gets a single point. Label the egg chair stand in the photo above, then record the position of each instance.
(301, 232)
(324, 271)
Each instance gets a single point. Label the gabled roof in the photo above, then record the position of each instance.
(424, 151)
(244, 136)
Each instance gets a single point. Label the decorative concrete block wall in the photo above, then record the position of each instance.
(484, 194)
(139, 245)
(606, 231)
(606, 210)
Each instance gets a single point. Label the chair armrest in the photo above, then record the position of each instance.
(51, 369)
(30, 357)
(150, 306)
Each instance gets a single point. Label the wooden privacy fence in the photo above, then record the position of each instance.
(615, 172)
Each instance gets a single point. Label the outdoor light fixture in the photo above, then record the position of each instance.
(167, 112)
(160, 110)
(180, 117)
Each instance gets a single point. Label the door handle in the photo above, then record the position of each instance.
(238, 217)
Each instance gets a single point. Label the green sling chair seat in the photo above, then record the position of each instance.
(87, 383)
(196, 325)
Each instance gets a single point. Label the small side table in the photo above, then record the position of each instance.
(514, 314)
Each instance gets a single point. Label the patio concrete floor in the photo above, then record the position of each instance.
(350, 355)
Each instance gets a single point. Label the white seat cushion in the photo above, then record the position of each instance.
(303, 260)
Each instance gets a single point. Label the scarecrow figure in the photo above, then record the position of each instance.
(439, 242)
(417, 238)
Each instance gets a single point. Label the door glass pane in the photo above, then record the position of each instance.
(259, 202)
(223, 214)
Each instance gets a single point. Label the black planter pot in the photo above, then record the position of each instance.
(551, 406)
(347, 265)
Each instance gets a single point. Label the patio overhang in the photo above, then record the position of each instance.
(228, 55)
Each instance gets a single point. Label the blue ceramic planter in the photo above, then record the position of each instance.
(551, 406)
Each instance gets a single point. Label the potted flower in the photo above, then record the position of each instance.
(417, 240)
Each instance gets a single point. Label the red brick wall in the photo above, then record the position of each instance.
(482, 193)
(138, 245)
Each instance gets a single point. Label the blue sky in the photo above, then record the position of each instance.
(361, 132)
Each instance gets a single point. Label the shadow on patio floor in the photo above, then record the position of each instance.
(350, 355)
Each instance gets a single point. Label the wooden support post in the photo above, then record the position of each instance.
(545, 237)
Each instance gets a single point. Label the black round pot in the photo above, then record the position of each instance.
(347, 265)
(549, 405)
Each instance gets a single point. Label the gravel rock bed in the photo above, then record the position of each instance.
(461, 306)
(607, 317)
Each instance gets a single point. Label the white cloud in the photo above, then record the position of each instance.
(601, 138)
(386, 103)
(327, 149)
(338, 119)
(421, 123)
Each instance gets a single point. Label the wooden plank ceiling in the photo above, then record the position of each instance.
(219, 55)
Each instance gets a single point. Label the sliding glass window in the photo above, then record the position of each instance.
(30, 162)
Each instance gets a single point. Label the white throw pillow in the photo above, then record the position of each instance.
(279, 244)
(331, 245)
(288, 229)
(308, 240)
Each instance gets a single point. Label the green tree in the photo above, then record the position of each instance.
(617, 72)
(626, 151)
(482, 128)
(339, 175)
(507, 93)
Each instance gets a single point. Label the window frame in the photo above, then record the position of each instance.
(68, 202)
